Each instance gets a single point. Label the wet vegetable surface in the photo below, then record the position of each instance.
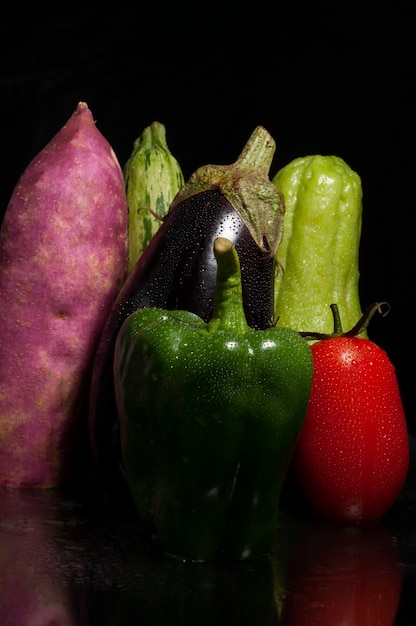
(352, 456)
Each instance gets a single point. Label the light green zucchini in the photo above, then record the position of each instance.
(152, 178)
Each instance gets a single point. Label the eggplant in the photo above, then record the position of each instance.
(177, 271)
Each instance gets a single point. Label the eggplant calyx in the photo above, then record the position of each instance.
(247, 187)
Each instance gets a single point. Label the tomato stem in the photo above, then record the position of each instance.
(381, 307)
(337, 319)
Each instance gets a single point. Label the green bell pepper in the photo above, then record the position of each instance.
(209, 417)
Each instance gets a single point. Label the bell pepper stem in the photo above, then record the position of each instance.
(228, 313)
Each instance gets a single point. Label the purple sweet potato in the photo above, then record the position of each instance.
(63, 259)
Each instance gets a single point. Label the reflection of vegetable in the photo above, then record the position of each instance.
(63, 258)
(33, 591)
(320, 244)
(352, 457)
(153, 177)
(179, 595)
(210, 413)
(343, 576)
(178, 270)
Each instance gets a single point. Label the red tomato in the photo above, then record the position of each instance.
(352, 457)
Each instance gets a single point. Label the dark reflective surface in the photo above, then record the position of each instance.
(62, 565)
(343, 575)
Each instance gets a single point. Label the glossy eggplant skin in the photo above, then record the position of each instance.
(176, 271)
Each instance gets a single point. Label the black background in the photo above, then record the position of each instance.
(328, 78)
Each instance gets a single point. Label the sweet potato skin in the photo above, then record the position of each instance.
(63, 259)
